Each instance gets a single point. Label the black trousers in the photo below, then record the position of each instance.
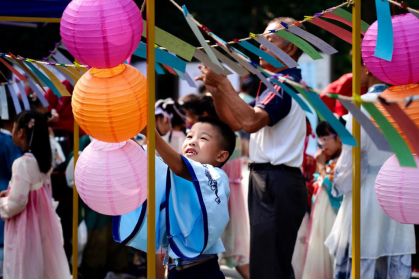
(277, 203)
(206, 270)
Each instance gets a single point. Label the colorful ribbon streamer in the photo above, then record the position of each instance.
(373, 132)
(396, 142)
(385, 43)
(334, 29)
(300, 43)
(23, 96)
(204, 59)
(230, 63)
(15, 99)
(404, 122)
(314, 40)
(326, 114)
(198, 35)
(268, 58)
(283, 56)
(4, 111)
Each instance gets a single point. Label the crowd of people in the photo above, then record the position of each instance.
(235, 162)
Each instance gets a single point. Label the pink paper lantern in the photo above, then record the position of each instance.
(111, 178)
(101, 33)
(404, 67)
(397, 190)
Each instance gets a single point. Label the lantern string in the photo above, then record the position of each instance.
(251, 36)
(143, 6)
(406, 100)
(18, 57)
(404, 6)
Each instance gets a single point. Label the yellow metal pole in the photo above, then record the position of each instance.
(151, 144)
(75, 205)
(356, 131)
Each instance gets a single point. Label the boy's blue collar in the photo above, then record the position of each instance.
(377, 88)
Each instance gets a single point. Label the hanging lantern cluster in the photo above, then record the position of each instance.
(403, 68)
(396, 187)
(398, 191)
(109, 102)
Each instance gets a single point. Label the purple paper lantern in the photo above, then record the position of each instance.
(397, 190)
(404, 67)
(101, 33)
(111, 178)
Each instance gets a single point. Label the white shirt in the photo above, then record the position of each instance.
(282, 143)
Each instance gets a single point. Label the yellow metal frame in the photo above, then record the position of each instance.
(75, 239)
(151, 143)
(356, 131)
(151, 254)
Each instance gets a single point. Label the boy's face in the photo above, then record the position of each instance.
(202, 144)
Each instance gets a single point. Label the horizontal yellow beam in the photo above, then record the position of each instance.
(30, 19)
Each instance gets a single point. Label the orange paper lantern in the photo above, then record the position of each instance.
(395, 93)
(111, 104)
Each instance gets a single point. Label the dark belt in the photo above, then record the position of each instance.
(180, 266)
(267, 166)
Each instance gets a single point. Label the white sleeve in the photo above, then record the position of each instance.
(19, 188)
(69, 173)
(343, 170)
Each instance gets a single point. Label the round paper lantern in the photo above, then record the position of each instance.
(403, 68)
(101, 33)
(396, 93)
(111, 104)
(397, 190)
(111, 178)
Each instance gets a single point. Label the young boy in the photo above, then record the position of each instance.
(191, 205)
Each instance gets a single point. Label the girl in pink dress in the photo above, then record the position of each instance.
(33, 241)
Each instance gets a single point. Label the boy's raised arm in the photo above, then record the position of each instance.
(172, 158)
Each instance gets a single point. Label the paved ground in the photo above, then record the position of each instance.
(230, 273)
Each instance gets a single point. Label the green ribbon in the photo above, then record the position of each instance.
(300, 43)
(43, 78)
(348, 16)
(396, 142)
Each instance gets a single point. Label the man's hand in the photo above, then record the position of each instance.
(211, 80)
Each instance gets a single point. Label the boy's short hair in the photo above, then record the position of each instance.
(228, 137)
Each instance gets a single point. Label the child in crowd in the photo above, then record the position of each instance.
(8, 153)
(196, 106)
(318, 262)
(33, 234)
(386, 245)
(192, 203)
(170, 122)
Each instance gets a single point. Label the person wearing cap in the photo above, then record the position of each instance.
(170, 121)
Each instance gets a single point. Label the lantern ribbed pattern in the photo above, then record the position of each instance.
(395, 93)
(101, 33)
(111, 104)
(397, 190)
(111, 178)
(404, 67)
